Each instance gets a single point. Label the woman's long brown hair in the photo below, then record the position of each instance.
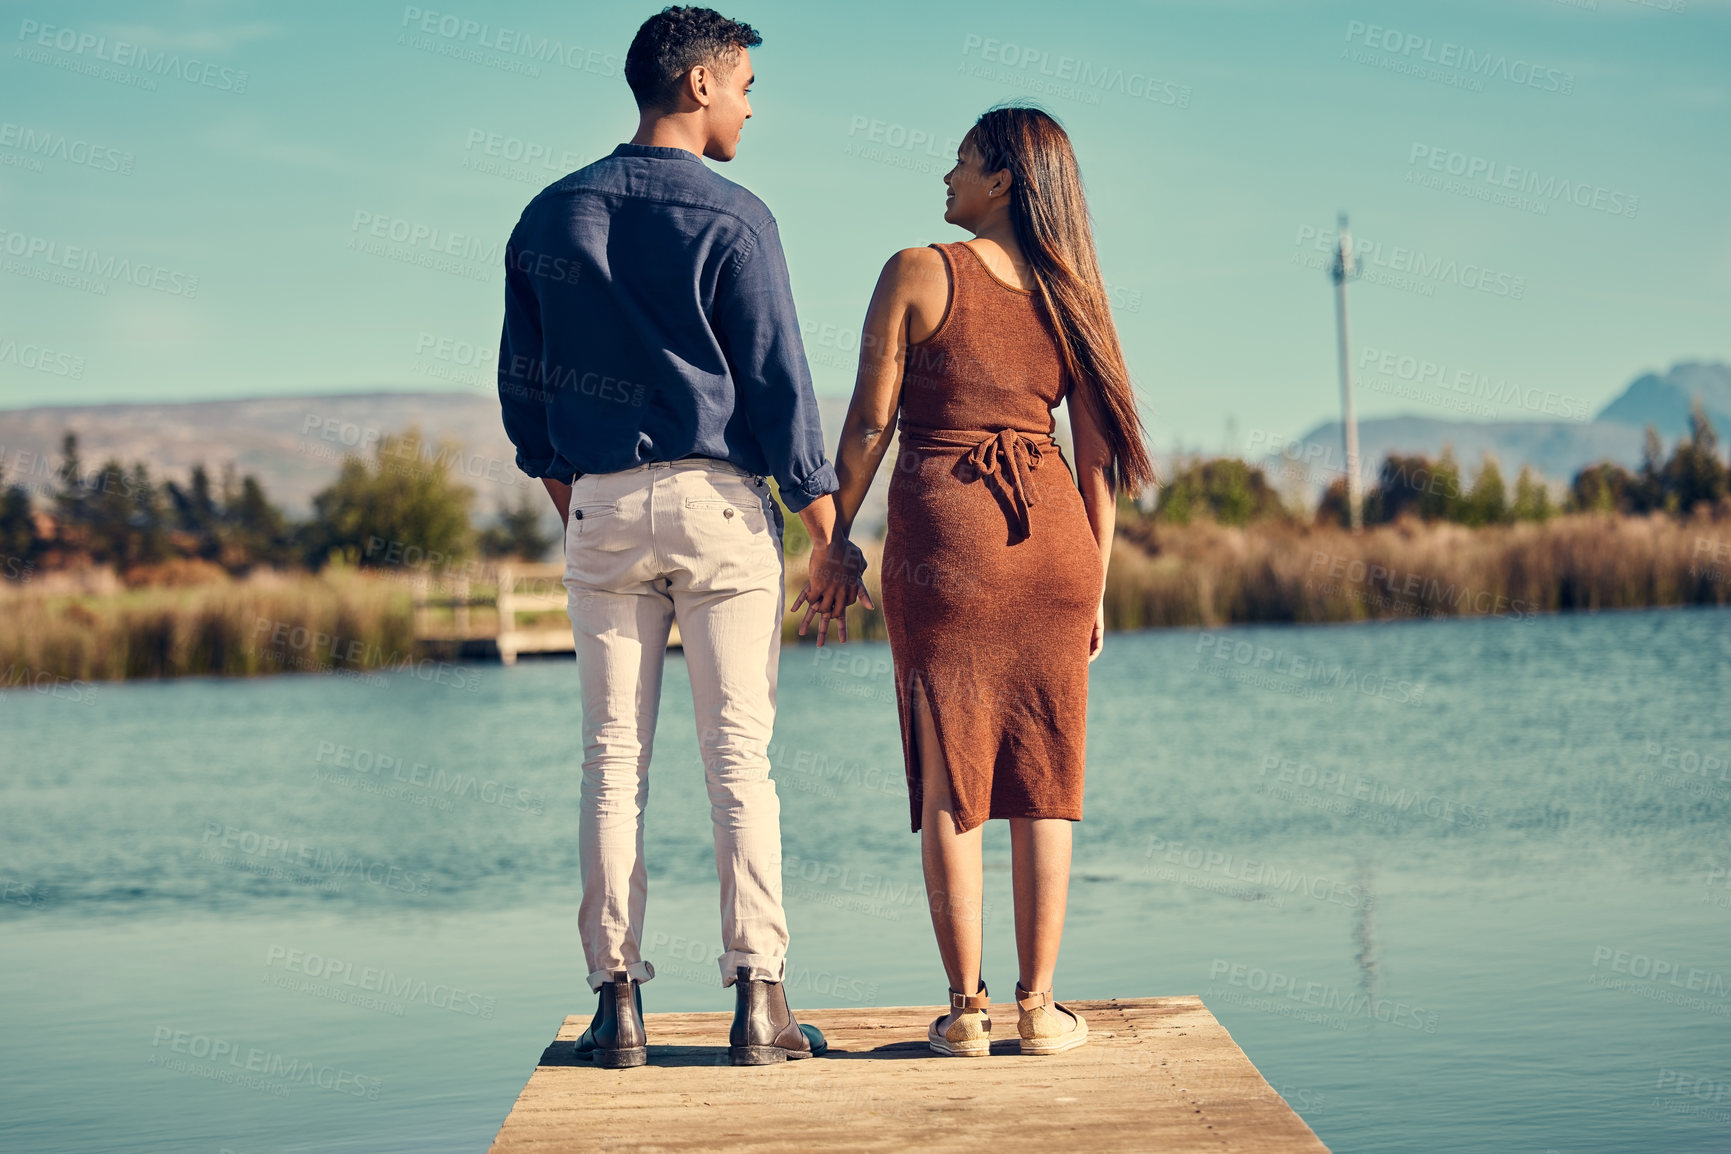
(1050, 217)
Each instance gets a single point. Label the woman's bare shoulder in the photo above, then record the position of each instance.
(914, 261)
(919, 277)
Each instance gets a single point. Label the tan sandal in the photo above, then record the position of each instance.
(969, 1034)
(1042, 1030)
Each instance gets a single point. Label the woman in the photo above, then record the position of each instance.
(995, 558)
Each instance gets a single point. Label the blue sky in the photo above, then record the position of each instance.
(199, 200)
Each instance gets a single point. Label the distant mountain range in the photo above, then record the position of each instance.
(1663, 401)
(1556, 448)
(294, 444)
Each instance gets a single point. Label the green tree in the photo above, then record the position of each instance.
(1606, 487)
(1694, 474)
(402, 507)
(115, 515)
(69, 497)
(196, 513)
(20, 545)
(1334, 509)
(518, 533)
(1648, 492)
(1410, 485)
(254, 531)
(1487, 502)
(1225, 489)
(1442, 498)
(1532, 498)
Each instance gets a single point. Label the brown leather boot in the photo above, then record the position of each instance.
(764, 1029)
(615, 1037)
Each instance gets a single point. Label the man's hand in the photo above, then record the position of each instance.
(834, 583)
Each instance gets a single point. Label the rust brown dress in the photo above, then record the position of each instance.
(991, 576)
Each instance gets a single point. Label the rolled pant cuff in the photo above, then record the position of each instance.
(759, 967)
(639, 971)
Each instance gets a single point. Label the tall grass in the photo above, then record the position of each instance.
(267, 623)
(1206, 574)
(1200, 574)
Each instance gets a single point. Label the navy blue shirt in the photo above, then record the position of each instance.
(648, 317)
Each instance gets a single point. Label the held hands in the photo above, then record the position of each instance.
(834, 583)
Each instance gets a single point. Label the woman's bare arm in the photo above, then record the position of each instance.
(908, 303)
(1093, 477)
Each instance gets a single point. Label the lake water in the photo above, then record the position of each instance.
(1451, 885)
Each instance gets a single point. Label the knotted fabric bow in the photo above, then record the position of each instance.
(1003, 460)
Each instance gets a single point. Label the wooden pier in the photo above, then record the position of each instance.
(479, 616)
(1158, 1074)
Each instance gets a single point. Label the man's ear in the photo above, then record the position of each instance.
(700, 85)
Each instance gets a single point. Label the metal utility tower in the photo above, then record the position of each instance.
(1342, 269)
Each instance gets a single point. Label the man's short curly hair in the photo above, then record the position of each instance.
(673, 42)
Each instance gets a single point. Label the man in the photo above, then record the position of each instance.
(650, 373)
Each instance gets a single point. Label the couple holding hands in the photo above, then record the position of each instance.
(651, 373)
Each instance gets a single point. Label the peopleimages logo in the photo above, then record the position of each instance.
(1346, 1003)
(1497, 176)
(42, 143)
(1066, 76)
(1400, 266)
(81, 259)
(268, 848)
(1256, 873)
(125, 54)
(432, 779)
(1657, 978)
(40, 358)
(1479, 386)
(1448, 61)
(373, 980)
(1303, 669)
(173, 1047)
(509, 42)
(1363, 794)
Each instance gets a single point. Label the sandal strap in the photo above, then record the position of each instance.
(1026, 1000)
(979, 1001)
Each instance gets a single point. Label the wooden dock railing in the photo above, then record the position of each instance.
(511, 600)
(485, 607)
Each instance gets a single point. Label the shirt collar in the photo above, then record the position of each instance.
(656, 151)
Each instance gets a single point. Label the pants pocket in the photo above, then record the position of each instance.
(728, 514)
(589, 512)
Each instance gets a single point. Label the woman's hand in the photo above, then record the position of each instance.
(1098, 641)
(834, 584)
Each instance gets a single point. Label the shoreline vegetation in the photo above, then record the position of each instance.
(1207, 575)
(121, 577)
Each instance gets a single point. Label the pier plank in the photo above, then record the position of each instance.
(1157, 1074)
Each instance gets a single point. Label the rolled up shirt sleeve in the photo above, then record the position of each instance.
(524, 396)
(759, 332)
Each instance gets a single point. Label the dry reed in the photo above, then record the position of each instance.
(267, 623)
(1205, 574)
(82, 628)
